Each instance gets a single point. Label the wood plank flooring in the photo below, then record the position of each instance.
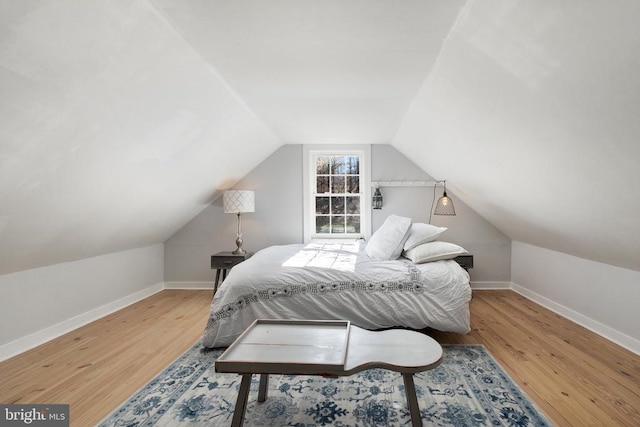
(576, 377)
(96, 367)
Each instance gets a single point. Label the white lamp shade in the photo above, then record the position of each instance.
(235, 201)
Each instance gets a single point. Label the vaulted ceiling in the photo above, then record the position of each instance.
(120, 120)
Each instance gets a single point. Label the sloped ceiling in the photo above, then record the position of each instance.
(121, 120)
(532, 114)
(320, 71)
(114, 132)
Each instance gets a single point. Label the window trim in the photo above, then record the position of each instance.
(309, 153)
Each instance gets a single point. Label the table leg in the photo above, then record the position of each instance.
(215, 287)
(241, 403)
(412, 400)
(264, 385)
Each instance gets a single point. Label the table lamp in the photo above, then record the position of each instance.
(238, 202)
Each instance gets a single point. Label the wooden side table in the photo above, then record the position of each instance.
(465, 261)
(223, 262)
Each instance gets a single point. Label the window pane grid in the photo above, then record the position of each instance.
(337, 224)
(337, 194)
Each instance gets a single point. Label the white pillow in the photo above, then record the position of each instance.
(422, 233)
(388, 240)
(434, 251)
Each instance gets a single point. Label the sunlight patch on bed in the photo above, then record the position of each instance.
(353, 247)
(314, 256)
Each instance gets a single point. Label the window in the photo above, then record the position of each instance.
(337, 194)
(337, 200)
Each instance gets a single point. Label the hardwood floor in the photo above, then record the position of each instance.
(96, 367)
(576, 377)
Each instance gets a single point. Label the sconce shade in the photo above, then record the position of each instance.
(237, 201)
(376, 201)
(444, 205)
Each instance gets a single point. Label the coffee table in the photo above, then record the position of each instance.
(327, 348)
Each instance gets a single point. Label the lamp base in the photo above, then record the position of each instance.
(239, 250)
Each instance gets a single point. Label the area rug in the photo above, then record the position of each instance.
(469, 388)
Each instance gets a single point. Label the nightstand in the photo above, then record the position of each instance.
(465, 261)
(224, 261)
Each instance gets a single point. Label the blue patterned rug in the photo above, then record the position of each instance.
(469, 388)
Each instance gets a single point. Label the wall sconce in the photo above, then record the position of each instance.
(444, 205)
(376, 201)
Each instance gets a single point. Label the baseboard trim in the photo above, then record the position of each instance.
(490, 285)
(605, 331)
(189, 285)
(23, 344)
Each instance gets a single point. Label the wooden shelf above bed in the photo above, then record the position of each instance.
(404, 183)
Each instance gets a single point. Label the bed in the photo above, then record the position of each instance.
(339, 281)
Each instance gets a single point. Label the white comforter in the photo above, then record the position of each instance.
(339, 282)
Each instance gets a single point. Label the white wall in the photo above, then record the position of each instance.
(491, 249)
(601, 297)
(277, 183)
(40, 304)
(278, 219)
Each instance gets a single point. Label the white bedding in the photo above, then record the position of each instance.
(338, 281)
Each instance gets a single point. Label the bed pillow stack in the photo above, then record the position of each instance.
(434, 251)
(421, 233)
(388, 240)
(418, 242)
(423, 245)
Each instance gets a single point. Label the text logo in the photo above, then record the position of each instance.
(34, 415)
